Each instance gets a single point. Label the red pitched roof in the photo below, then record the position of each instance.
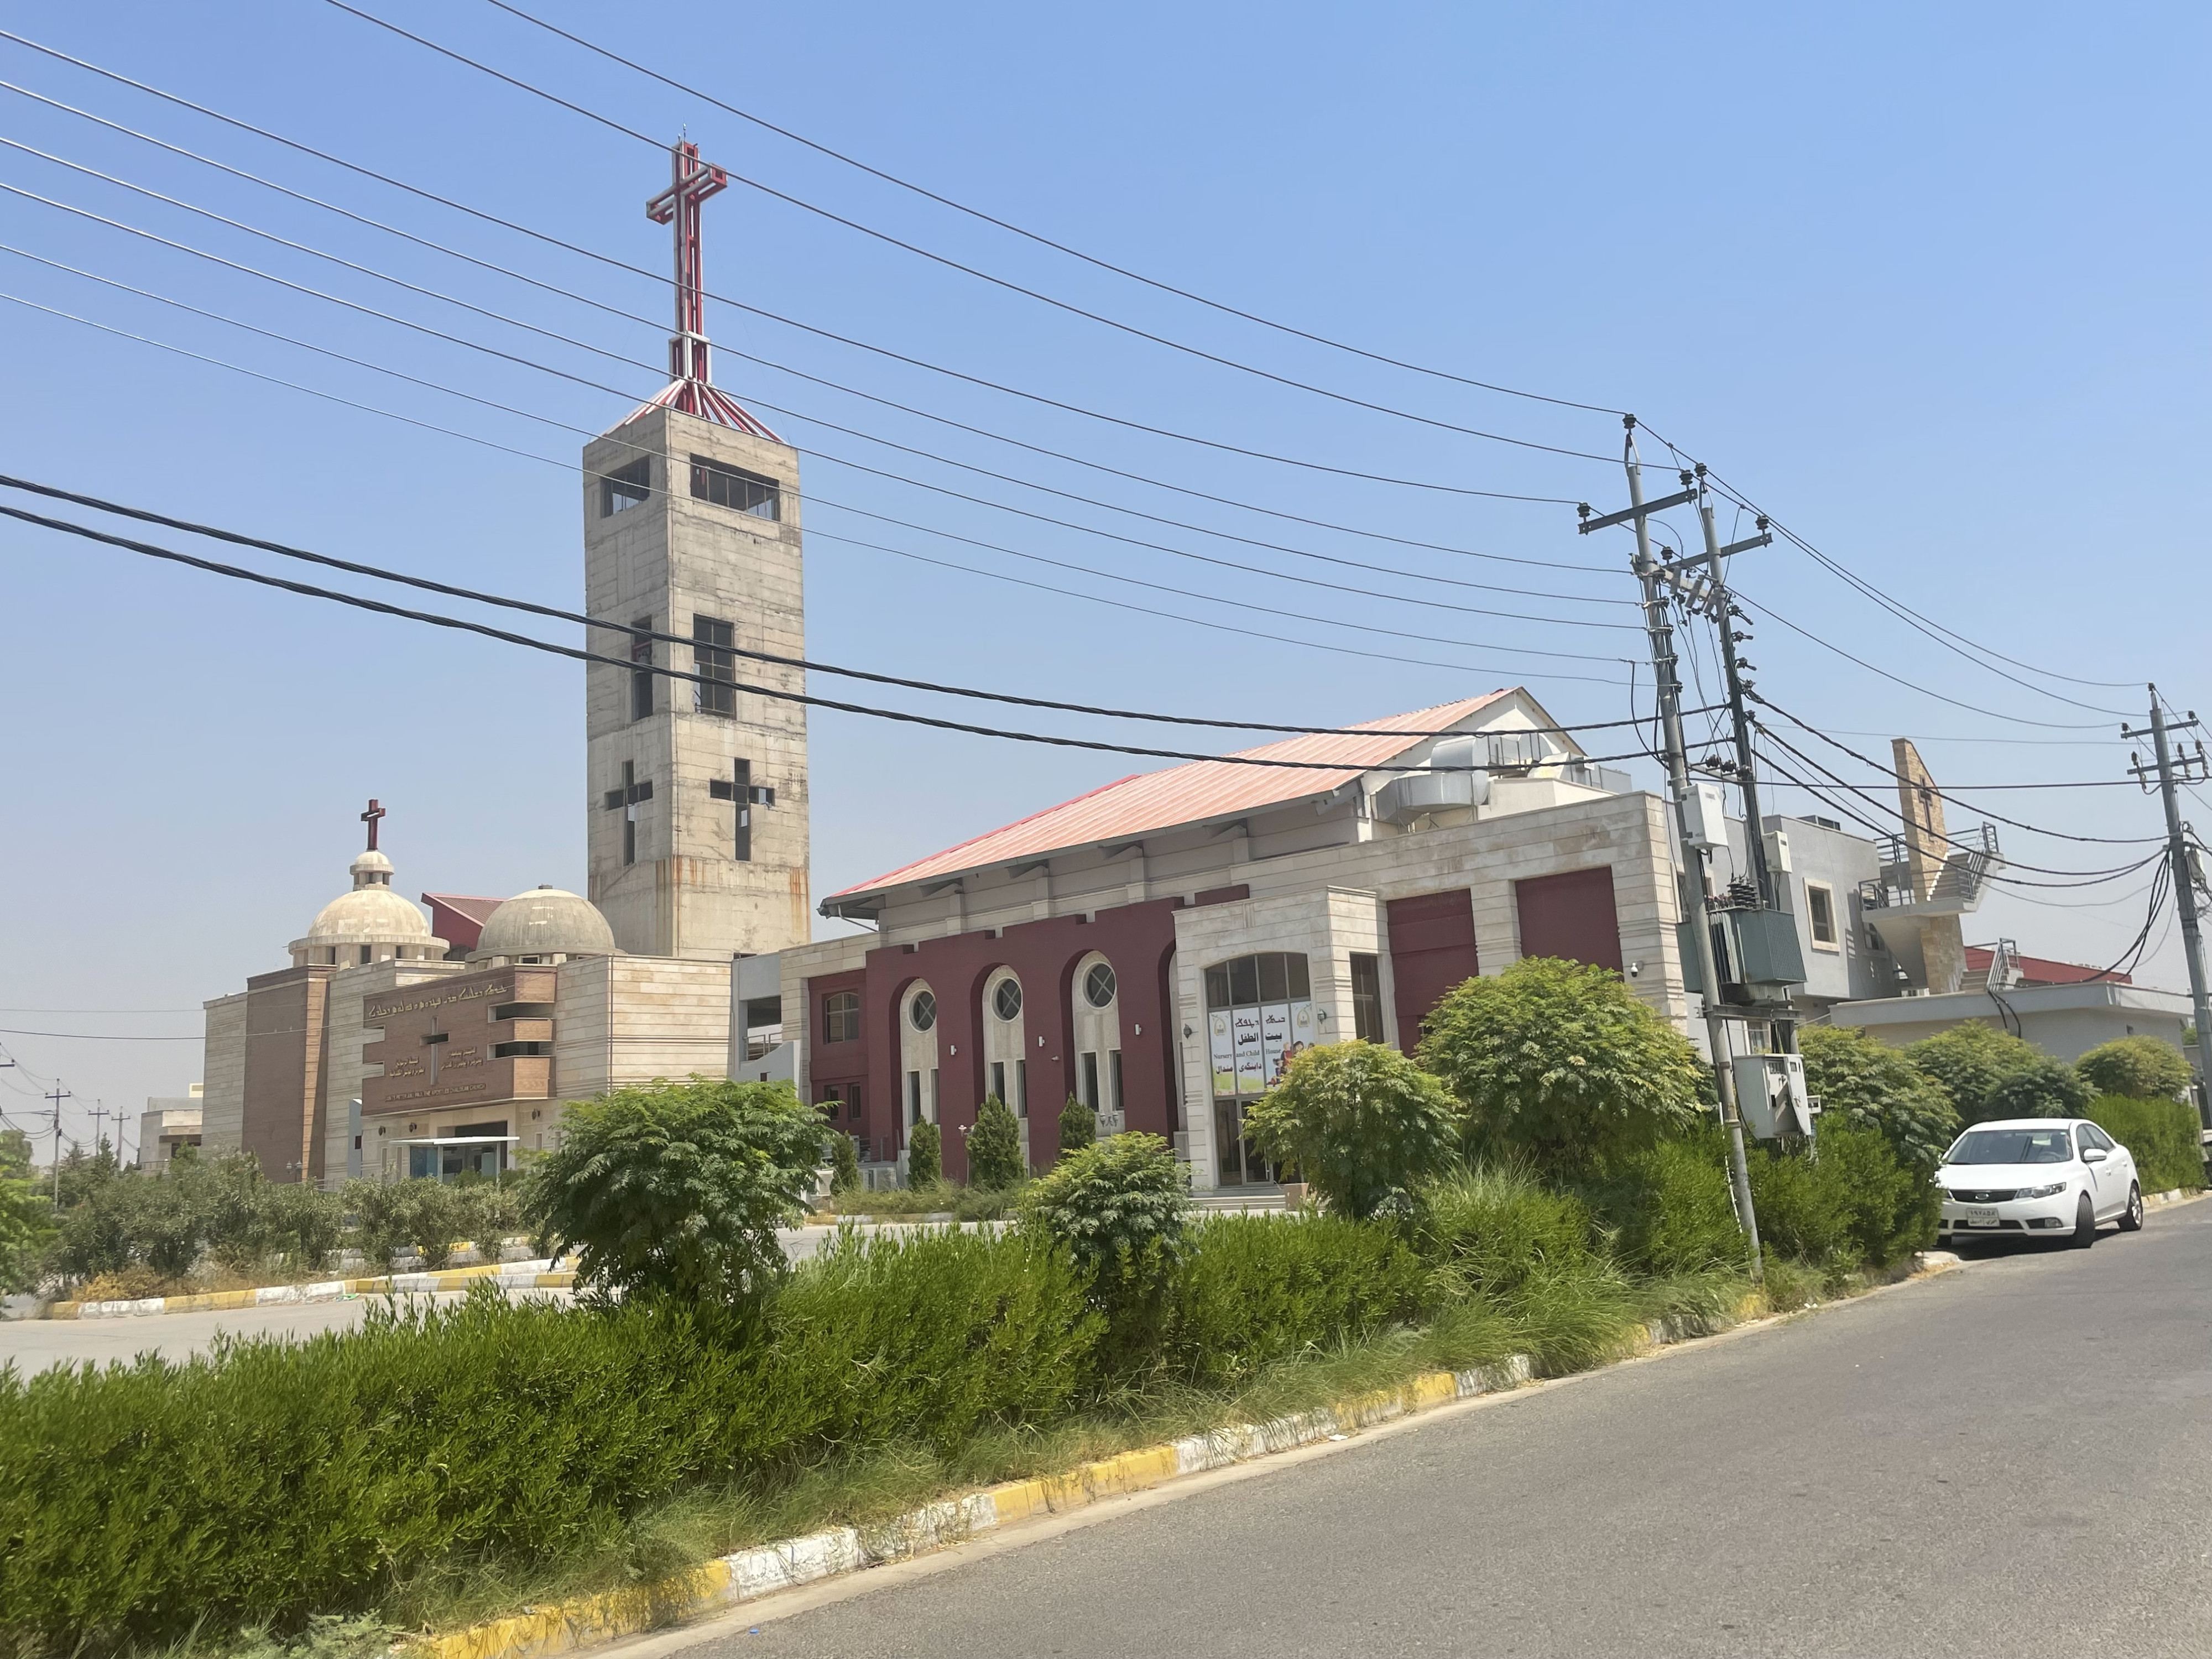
(2041, 970)
(1189, 794)
(458, 918)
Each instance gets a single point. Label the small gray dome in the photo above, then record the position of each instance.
(544, 922)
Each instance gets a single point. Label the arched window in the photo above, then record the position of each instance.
(841, 1017)
(1007, 999)
(922, 1011)
(1098, 985)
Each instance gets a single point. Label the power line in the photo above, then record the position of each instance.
(1273, 637)
(1951, 792)
(98, 1037)
(981, 276)
(1047, 241)
(435, 619)
(1971, 708)
(1897, 607)
(786, 368)
(616, 391)
(583, 619)
(1890, 810)
(565, 426)
(885, 352)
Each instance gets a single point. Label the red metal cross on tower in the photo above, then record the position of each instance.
(691, 387)
(370, 818)
(693, 182)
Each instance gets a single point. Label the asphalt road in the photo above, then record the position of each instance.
(2012, 1459)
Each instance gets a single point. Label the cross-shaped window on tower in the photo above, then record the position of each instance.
(625, 800)
(746, 795)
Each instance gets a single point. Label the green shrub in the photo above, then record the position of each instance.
(1968, 1062)
(1362, 1122)
(424, 1215)
(1493, 1227)
(1671, 1208)
(994, 1146)
(300, 1223)
(678, 1188)
(923, 1165)
(2049, 1088)
(2140, 1067)
(165, 1224)
(1870, 1085)
(1250, 1288)
(1111, 1202)
(1561, 1062)
(1119, 1210)
(2161, 1133)
(844, 1164)
(1078, 1127)
(272, 1480)
(1853, 1206)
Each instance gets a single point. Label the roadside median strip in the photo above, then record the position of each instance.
(508, 1275)
(748, 1575)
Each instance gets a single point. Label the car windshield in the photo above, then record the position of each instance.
(2012, 1146)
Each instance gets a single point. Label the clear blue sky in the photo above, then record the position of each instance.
(1926, 283)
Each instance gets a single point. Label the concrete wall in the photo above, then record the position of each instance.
(672, 558)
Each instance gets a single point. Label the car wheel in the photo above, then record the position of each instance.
(2131, 1219)
(2085, 1224)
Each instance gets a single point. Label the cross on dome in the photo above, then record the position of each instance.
(370, 818)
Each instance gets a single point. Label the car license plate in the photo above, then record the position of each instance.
(1979, 1218)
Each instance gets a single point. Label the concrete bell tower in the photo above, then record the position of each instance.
(698, 805)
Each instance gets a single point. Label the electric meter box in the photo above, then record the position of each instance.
(1705, 813)
(1770, 1095)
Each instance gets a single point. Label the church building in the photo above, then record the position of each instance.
(397, 1045)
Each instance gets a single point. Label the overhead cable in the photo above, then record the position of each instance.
(661, 147)
(360, 602)
(1951, 792)
(1147, 479)
(885, 352)
(1047, 241)
(1272, 636)
(631, 396)
(582, 619)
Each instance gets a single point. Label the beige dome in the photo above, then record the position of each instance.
(544, 924)
(372, 914)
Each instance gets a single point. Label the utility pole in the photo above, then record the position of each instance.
(2189, 768)
(59, 1095)
(1696, 883)
(1725, 615)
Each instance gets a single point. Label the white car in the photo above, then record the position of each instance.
(2052, 1176)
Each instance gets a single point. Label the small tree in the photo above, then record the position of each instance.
(1969, 1060)
(1560, 1062)
(924, 1167)
(844, 1163)
(1078, 1127)
(1362, 1122)
(2049, 1088)
(1115, 1200)
(994, 1146)
(1862, 1082)
(677, 1189)
(1120, 1208)
(27, 1223)
(2140, 1067)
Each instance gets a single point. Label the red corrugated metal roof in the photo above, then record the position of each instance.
(1189, 794)
(2041, 970)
